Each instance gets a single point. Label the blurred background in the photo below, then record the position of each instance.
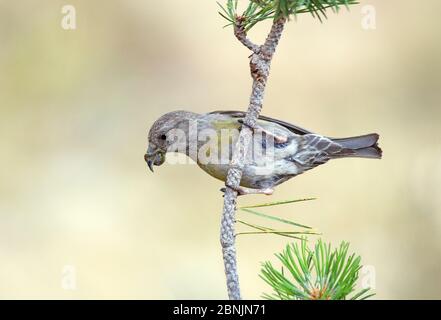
(82, 217)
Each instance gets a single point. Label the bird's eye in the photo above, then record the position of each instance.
(163, 137)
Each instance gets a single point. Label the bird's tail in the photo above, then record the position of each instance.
(362, 147)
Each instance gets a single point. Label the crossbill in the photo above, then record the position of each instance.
(279, 150)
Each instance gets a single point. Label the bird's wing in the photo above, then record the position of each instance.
(289, 126)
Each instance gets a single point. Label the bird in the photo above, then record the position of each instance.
(279, 150)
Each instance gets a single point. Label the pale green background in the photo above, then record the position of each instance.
(76, 106)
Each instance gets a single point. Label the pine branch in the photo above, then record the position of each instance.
(260, 61)
(241, 35)
(259, 66)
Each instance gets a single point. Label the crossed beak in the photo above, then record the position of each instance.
(154, 157)
(149, 162)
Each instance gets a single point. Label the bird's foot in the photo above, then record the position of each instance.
(242, 191)
(257, 128)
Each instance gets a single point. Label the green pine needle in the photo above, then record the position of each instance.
(259, 10)
(306, 230)
(275, 218)
(320, 273)
(266, 230)
(276, 203)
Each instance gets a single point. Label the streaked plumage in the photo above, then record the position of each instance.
(302, 151)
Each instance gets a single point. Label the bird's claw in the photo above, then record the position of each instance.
(242, 191)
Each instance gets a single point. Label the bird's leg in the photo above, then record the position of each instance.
(257, 128)
(242, 191)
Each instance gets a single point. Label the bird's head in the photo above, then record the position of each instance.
(161, 136)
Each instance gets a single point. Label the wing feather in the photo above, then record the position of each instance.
(240, 114)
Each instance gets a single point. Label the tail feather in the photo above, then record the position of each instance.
(365, 146)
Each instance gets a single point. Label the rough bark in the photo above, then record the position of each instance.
(260, 62)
